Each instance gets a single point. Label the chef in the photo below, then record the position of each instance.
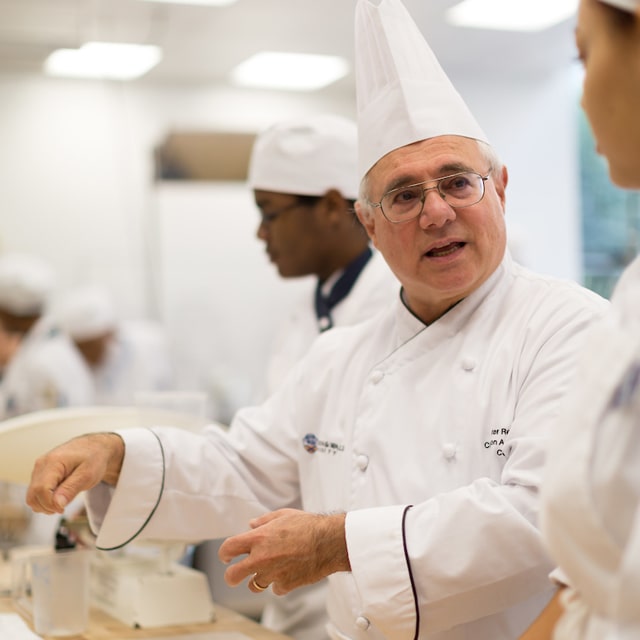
(124, 356)
(409, 448)
(42, 369)
(304, 178)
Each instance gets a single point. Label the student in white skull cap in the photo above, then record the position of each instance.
(590, 514)
(304, 179)
(125, 357)
(44, 369)
(411, 445)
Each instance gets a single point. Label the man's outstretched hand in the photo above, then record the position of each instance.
(77, 465)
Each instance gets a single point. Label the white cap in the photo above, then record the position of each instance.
(26, 282)
(403, 94)
(87, 313)
(625, 5)
(306, 156)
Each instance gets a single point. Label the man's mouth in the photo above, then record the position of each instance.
(447, 249)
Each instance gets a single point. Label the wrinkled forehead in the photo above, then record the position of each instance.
(431, 158)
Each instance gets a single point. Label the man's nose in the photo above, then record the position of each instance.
(435, 209)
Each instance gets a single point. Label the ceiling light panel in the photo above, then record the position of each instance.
(292, 71)
(108, 60)
(511, 15)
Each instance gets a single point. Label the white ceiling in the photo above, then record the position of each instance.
(202, 44)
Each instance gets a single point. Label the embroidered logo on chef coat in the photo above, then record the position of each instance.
(313, 444)
(497, 441)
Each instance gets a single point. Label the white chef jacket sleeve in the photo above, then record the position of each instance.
(179, 485)
(396, 593)
(147, 475)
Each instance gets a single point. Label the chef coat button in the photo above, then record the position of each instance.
(363, 623)
(362, 462)
(468, 364)
(377, 376)
(324, 323)
(449, 450)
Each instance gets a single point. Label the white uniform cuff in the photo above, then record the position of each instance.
(112, 514)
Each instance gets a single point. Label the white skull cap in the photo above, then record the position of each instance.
(87, 313)
(306, 156)
(403, 94)
(625, 5)
(26, 282)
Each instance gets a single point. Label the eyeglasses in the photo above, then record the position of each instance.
(457, 190)
(268, 218)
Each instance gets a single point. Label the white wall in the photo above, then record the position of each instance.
(77, 188)
(533, 125)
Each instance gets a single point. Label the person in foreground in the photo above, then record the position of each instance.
(590, 511)
(402, 456)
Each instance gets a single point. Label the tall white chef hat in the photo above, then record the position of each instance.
(307, 156)
(403, 94)
(26, 282)
(87, 313)
(625, 5)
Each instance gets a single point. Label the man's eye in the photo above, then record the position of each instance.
(405, 196)
(458, 183)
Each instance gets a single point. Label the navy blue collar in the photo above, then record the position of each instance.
(339, 291)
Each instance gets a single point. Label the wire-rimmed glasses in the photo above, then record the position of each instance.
(458, 190)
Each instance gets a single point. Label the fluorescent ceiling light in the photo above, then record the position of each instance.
(511, 15)
(296, 71)
(114, 61)
(207, 3)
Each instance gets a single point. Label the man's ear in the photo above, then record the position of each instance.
(335, 206)
(501, 181)
(367, 220)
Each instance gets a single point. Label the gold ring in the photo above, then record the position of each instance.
(259, 587)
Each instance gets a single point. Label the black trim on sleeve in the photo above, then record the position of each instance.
(413, 584)
(155, 507)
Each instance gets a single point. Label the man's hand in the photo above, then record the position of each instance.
(287, 549)
(77, 465)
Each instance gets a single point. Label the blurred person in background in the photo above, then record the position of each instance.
(303, 173)
(590, 513)
(125, 357)
(41, 368)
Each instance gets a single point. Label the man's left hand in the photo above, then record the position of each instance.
(286, 549)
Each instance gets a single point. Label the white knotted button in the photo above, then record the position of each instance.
(362, 462)
(449, 450)
(469, 364)
(362, 623)
(377, 376)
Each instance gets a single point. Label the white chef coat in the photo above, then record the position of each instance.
(451, 418)
(137, 360)
(591, 490)
(46, 371)
(375, 288)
